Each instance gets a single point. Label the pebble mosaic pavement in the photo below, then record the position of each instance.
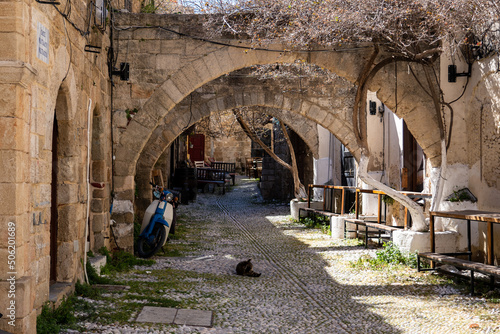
(307, 283)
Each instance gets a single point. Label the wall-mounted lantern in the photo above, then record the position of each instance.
(452, 73)
(373, 108)
(123, 72)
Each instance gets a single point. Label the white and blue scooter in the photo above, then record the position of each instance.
(158, 219)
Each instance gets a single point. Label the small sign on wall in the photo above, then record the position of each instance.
(42, 43)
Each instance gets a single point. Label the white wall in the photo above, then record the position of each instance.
(385, 140)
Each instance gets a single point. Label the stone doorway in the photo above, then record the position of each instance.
(64, 197)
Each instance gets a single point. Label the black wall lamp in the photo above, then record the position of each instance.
(373, 108)
(123, 72)
(452, 73)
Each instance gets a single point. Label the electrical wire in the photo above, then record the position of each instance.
(70, 52)
(66, 17)
(202, 39)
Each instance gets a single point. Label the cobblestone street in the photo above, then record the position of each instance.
(308, 283)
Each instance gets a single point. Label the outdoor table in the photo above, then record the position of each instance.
(487, 217)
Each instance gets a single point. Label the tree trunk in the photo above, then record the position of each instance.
(417, 214)
(299, 189)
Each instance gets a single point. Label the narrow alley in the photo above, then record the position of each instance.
(310, 283)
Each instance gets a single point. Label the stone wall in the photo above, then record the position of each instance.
(45, 75)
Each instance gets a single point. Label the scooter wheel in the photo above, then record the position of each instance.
(147, 247)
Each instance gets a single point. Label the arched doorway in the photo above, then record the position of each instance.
(65, 192)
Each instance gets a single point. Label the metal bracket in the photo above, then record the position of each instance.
(92, 48)
(48, 2)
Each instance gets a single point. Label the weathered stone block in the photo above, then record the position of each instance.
(18, 225)
(143, 91)
(13, 198)
(120, 119)
(14, 46)
(213, 65)
(22, 289)
(66, 261)
(15, 166)
(67, 193)
(26, 325)
(67, 221)
(172, 91)
(98, 222)
(9, 100)
(172, 46)
(203, 71)
(97, 205)
(15, 134)
(317, 114)
(21, 261)
(144, 61)
(42, 290)
(144, 46)
(123, 183)
(167, 62)
(99, 171)
(68, 168)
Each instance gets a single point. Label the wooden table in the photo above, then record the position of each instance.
(487, 217)
(380, 193)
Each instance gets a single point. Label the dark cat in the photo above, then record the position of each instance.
(244, 268)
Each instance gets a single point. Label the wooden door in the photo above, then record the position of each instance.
(196, 147)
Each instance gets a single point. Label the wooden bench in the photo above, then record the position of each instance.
(319, 212)
(207, 176)
(367, 224)
(383, 228)
(228, 167)
(357, 222)
(487, 269)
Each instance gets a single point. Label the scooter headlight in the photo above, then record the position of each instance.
(169, 197)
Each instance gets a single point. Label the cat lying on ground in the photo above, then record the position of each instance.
(245, 268)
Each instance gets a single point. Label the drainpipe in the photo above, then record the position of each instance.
(87, 221)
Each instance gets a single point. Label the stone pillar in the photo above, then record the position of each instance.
(123, 212)
(17, 293)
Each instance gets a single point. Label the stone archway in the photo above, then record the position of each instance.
(197, 62)
(160, 141)
(64, 187)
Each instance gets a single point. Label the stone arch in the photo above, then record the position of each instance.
(180, 84)
(66, 208)
(412, 102)
(413, 106)
(302, 115)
